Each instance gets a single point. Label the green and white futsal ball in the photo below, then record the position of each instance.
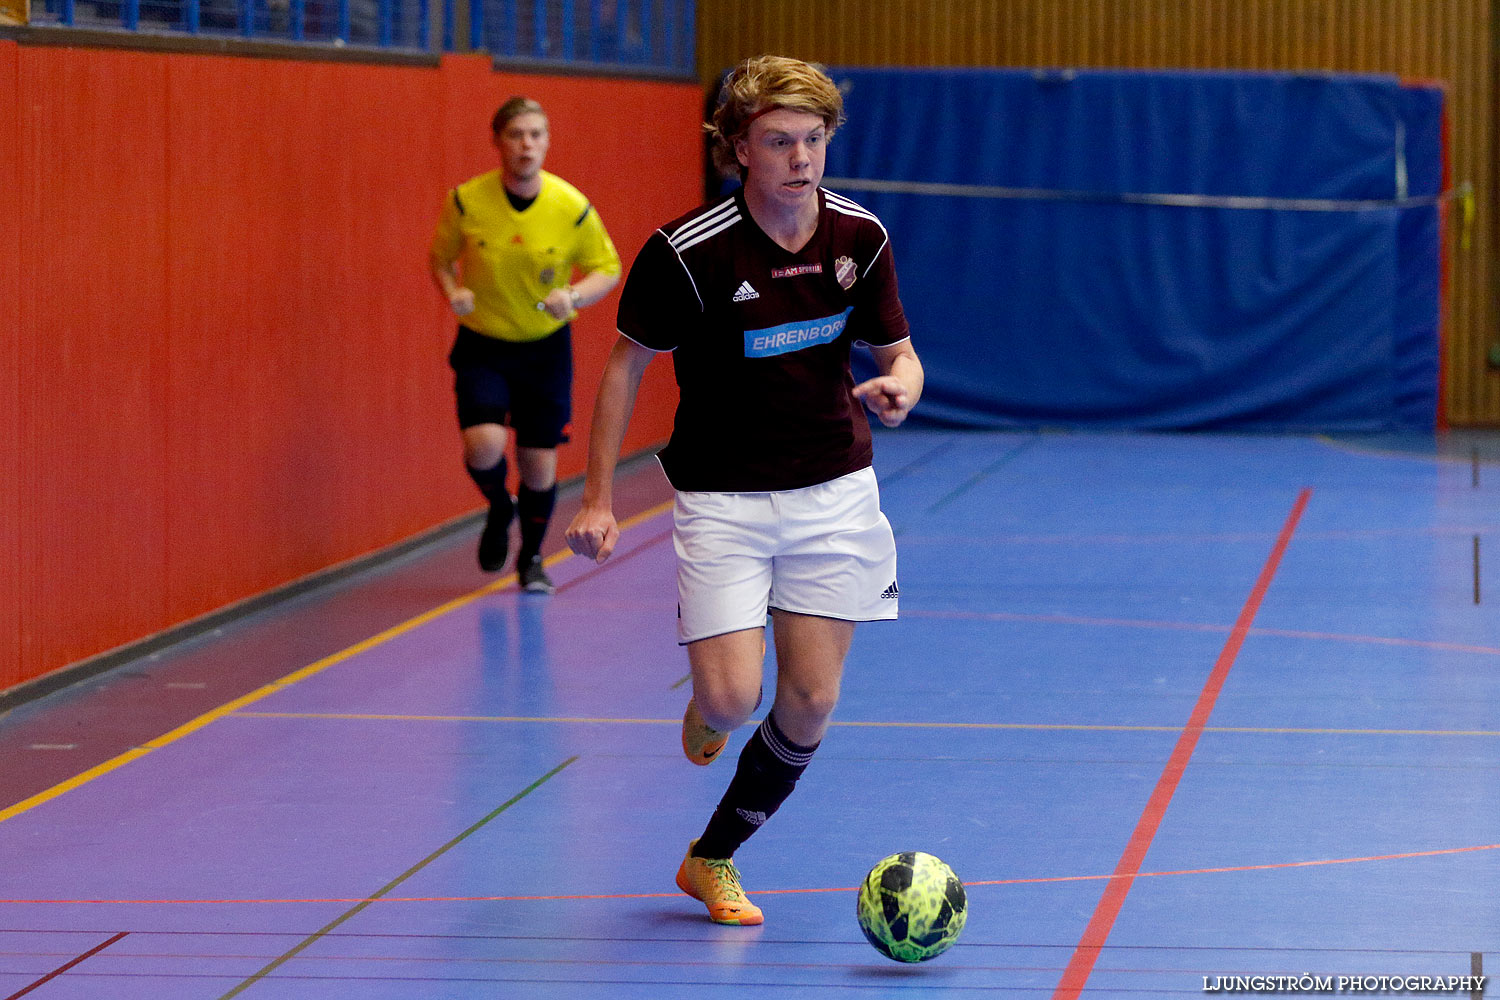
(912, 907)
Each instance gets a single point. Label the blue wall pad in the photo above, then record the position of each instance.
(1245, 251)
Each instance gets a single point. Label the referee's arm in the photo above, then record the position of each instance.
(445, 276)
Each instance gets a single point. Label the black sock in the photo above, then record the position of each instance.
(494, 541)
(768, 770)
(491, 483)
(535, 508)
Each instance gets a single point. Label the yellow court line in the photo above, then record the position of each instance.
(1026, 726)
(1366, 451)
(294, 677)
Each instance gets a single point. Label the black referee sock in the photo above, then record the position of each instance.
(535, 509)
(494, 541)
(491, 483)
(768, 770)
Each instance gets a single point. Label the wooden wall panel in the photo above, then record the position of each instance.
(1453, 41)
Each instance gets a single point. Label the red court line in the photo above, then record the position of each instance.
(1081, 965)
(65, 967)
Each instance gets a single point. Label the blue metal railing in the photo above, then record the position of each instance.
(645, 33)
(652, 35)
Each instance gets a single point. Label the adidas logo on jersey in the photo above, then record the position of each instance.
(745, 293)
(891, 593)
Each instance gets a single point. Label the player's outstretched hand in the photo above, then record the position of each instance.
(886, 397)
(593, 533)
(462, 301)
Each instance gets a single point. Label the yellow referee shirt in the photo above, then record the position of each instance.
(511, 259)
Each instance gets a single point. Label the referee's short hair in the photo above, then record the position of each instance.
(515, 106)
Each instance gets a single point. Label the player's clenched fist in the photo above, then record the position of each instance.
(886, 397)
(593, 534)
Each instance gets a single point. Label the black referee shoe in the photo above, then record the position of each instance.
(534, 578)
(494, 544)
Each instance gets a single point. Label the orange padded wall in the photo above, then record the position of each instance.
(94, 340)
(234, 360)
(10, 370)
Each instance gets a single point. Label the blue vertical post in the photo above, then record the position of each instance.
(476, 25)
(130, 14)
(247, 17)
(569, 51)
(387, 17)
(344, 19)
(669, 26)
(648, 36)
(539, 29)
(424, 30)
(191, 21)
(298, 11)
(596, 33)
(511, 42)
(622, 29)
(65, 15)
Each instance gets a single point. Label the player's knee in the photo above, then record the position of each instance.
(726, 706)
(806, 704)
(484, 446)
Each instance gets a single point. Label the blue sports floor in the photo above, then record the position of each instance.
(1173, 707)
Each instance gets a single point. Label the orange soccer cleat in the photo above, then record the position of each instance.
(716, 884)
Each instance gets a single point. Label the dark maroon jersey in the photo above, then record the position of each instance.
(760, 339)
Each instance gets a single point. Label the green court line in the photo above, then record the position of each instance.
(323, 931)
(982, 474)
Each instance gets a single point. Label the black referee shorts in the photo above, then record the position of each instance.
(526, 385)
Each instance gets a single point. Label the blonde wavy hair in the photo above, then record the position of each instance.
(765, 83)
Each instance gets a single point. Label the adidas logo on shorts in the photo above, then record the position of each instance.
(745, 293)
(891, 593)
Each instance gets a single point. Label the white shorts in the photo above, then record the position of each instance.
(823, 550)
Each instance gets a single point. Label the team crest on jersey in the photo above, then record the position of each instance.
(844, 271)
(547, 275)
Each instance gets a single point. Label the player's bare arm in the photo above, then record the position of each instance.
(891, 394)
(594, 531)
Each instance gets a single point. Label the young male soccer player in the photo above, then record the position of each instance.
(514, 236)
(759, 296)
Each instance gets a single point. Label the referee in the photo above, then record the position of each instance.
(505, 253)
